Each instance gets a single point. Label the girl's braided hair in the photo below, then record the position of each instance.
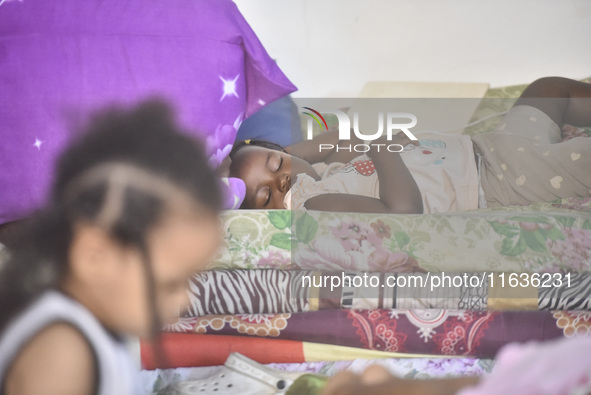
(254, 142)
(122, 174)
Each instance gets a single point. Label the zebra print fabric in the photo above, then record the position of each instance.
(273, 291)
(577, 296)
(247, 292)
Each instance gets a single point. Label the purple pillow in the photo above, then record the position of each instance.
(61, 59)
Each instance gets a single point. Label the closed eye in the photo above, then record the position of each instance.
(278, 164)
(268, 197)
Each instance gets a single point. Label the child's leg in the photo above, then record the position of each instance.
(572, 104)
(525, 160)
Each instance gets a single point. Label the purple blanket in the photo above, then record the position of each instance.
(61, 59)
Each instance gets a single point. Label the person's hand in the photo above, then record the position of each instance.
(402, 139)
(399, 138)
(223, 170)
(375, 380)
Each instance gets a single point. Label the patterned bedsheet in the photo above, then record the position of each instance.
(156, 382)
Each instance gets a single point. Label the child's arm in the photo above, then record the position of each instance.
(399, 192)
(57, 361)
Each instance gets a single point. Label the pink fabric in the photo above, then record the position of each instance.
(553, 368)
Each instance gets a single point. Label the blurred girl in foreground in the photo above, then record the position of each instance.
(133, 213)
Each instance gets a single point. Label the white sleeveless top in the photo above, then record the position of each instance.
(116, 372)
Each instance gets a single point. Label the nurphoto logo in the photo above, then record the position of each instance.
(394, 122)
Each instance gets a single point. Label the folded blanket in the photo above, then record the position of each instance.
(542, 237)
(187, 350)
(434, 332)
(278, 291)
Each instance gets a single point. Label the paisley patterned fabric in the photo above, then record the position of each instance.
(431, 331)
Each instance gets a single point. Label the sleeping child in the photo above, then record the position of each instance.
(522, 161)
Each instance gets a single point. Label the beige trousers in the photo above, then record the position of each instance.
(525, 160)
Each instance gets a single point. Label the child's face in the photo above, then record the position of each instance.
(114, 288)
(267, 174)
(180, 247)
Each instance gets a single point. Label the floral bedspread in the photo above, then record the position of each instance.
(545, 237)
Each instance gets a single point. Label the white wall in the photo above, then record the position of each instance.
(332, 47)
